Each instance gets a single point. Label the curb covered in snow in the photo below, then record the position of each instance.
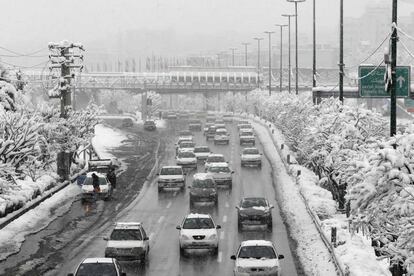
(34, 203)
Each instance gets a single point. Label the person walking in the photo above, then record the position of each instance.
(112, 177)
(95, 183)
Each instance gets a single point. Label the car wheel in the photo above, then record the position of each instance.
(182, 251)
(143, 257)
(270, 226)
(159, 189)
(239, 226)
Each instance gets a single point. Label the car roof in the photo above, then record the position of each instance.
(216, 154)
(202, 176)
(196, 215)
(219, 164)
(256, 242)
(171, 167)
(253, 198)
(222, 129)
(98, 260)
(89, 174)
(128, 225)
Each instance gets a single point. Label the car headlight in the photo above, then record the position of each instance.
(213, 237)
(243, 215)
(241, 269)
(184, 237)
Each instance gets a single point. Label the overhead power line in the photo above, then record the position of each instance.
(17, 54)
(26, 67)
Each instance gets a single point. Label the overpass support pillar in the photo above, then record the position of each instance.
(218, 101)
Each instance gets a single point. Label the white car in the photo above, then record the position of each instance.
(251, 157)
(99, 266)
(198, 231)
(246, 136)
(186, 146)
(171, 177)
(214, 158)
(228, 117)
(244, 126)
(186, 159)
(128, 241)
(257, 257)
(105, 187)
(221, 136)
(185, 134)
(202, 152)
(242, 122)
(221, 173)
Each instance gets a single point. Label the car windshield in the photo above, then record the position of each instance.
(253, 202)
(246, 133)
(203, 149)
(215, 159)
(251, 151)
(198, 223)
(126, 234)
(171, 171)
(96, 269)
(257, 252)
(205, 183)
(186, 154)
(88, 181)
(215, 169)
(187, 145)
(185, 133)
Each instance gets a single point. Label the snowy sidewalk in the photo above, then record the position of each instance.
(312, 252)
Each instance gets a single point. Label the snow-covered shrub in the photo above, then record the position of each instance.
(7, 96)
(382, 197)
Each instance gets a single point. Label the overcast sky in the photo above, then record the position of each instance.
(32, 23)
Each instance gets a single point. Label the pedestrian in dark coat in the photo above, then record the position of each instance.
(112, 177)
(95, 183)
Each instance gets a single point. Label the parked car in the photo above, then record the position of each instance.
(89, 192)
(203, 189)
(198, 231)
(150, 125)
(257, 257)
(127, 122)
(202, 152)
(128, 241)
(221, 136)
(221, 173)
(214, 158)
(171, 177)
(99, 266)
(246, 136)
(251, 157)
(186, 159)
(194, 125)
(254, 211)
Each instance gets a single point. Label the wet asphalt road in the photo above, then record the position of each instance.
(79, 234)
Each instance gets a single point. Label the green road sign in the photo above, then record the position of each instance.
(372, 84)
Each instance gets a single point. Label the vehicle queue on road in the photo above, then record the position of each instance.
(198, 231)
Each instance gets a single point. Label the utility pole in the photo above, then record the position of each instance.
(296, 39)
(64, 56)
(258, 39)
(245, 52)
(341, 52)
(270, 61)
(232, 55)
(281, 54)
(290, 66)
(394, 39)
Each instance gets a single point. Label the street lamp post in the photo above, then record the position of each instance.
(258, 39)
(341, 52)
(270, 61)
(289, 66)
(245, 52)
(232, 54)
(296, 39)
(281, 53)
